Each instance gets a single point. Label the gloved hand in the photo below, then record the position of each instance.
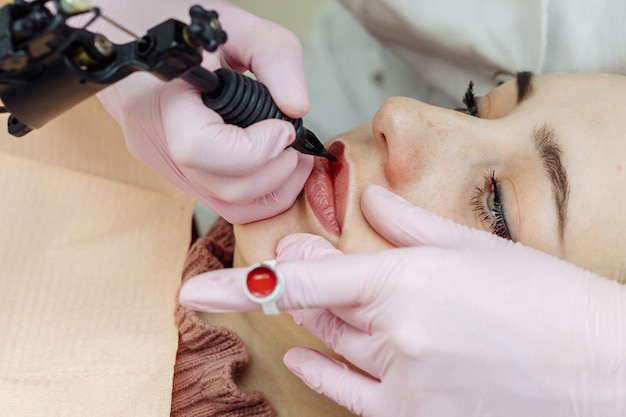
(464, 323)
(242, 174)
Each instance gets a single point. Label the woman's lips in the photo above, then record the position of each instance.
(326, 190)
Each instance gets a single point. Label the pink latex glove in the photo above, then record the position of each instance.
(242, 174)
(464, 324)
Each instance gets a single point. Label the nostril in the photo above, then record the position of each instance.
(380, 137)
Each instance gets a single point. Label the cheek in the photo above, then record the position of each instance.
(445, 159)
(403, 173)
(446, 192)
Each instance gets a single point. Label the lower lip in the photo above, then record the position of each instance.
(325, 190)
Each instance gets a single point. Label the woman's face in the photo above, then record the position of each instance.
(542, 164)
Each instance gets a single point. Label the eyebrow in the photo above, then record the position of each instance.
(524, 81)
(550, 153)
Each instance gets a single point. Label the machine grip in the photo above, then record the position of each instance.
(242, 101)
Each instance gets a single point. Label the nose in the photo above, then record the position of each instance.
(414, 136)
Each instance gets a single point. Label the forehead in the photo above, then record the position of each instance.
(588, 113)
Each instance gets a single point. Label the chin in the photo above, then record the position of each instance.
(257, 241)
(254, 243)
(366, 241)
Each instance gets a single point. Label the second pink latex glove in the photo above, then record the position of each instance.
(463, 324)
(242, 174)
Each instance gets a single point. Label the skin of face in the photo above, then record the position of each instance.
(438, 159)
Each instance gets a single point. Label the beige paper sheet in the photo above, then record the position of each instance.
(92, 244)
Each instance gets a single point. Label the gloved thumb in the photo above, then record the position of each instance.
(303, 246)
(413, 226)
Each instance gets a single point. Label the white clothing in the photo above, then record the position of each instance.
(430, 50)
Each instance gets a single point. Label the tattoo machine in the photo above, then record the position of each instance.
(47, 66)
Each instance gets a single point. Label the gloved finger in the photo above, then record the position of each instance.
(334, 379)
(222, 291)
(413, 226)
(240, 189)
(331, 282)
(197, 136)
(358, 347)
(216, 292)
(267, 205)
(273, 54)
(287, 82)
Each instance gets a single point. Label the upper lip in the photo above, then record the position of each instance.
(326, 190)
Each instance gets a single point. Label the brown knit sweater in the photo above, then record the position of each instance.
(209, 356)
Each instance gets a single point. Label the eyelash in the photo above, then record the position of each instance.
(494, 217)
(469, 99)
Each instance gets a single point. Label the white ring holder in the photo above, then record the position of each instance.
(264, 284)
